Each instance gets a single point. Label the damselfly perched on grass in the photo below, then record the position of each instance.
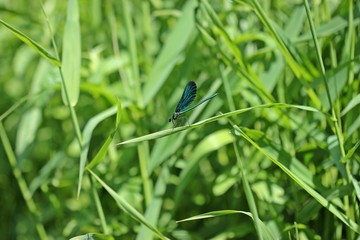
(186, 99)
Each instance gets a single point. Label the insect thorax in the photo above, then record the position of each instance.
(174, 116)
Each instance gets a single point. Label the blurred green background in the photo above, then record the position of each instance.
(276, 156)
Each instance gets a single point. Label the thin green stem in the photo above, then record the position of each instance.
(18, 104)
(347, 206)
(24, 189)
(318, 52)
(99, 206)
(143, 152)
(322, 68)
(71, 108)
(135, 84)
(248, 193)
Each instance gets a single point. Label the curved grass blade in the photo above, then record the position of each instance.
(53, 60)
(298, 179)
(103, 150)
(264, 229)
(16, 105)
(214, 214)
(127, 208)
(93, 236)
(167, 132)
(87, 133)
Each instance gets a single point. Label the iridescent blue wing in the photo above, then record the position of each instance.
(187, 97)
(199, 103)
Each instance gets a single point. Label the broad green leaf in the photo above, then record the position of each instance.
(329, 28)
(32, 118)
(71, 55)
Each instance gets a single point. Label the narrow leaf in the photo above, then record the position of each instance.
(127, 208)
(88, 130)
(71, 55)
(37, 47)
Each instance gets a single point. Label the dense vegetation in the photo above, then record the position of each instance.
(274, 156)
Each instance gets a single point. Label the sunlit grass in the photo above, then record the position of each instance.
(274, 156)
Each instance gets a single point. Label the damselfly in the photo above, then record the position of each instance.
(186, 99)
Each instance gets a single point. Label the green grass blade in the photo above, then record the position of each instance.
(37, 47)
(299, 70)
(219, 30)
(144, 156)
(164, 148)
(261, 59)
(16, 105)
(211, 143)
(312, 207)
(336, 80)
(319, 198)
(154, 209)
(104, 148)
(296, 22)
(27, 130)
(167, 132)
(101, 154)
(295, 67)
(24, 189)
(87, 134)
(213, 214)
(351, 151)
(99, 206)
(134, 79)
(329, 28)
(127, 208)
(356, 185)
(353, 103)
(45, 172)
(71, 54)
(248, 193)
(169, 54)
(354, 126)
(318, 52)
(93, 236)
